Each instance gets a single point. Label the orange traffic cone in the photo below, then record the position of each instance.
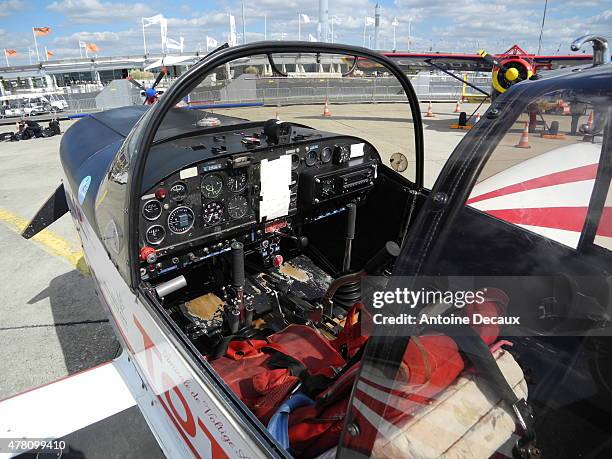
(524, 142)
(429, 113)
(326, 111)
(477, 118)
(590, 122)
(458, 107)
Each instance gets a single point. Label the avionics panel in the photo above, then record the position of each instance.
(197, 210)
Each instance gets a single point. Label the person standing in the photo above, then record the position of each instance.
(577, 109)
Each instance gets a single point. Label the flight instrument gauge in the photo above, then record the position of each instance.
(295, 161)
(178, 191)
(237, 181)
(237, 207)
(326, 155)
(212, 184)
(311, 157)
(181, 220)
(399, 162)
(212, 213)
(152, 209)
(155, 234)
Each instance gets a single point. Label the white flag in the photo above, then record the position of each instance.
(173, 44)
(232, 34)
(152, 20)
(311, 37)
(369, 21)
(395, 22)
(211, 42)
(304, 18)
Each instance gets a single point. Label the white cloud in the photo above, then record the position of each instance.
(94, 11)
(8, 7)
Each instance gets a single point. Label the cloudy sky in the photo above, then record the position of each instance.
(460, 25)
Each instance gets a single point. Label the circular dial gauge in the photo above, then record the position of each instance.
(326, 155)
(212, 184)
(152, 209)
(181, 220)
(237, 181)
(399, 162)
(155, 234)
(295, 161)
(311, 157)
(237, 207)
(178, 191)
(212, 213)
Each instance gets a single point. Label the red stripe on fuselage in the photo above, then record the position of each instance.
(557, 178)
(563, 218)
(605, 223)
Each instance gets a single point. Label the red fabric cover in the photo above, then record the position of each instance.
(261, 388)
(356, 330)
(432, 363)
(494, 305)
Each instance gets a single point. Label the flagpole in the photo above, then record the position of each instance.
(243, 25)
(36, 44)
(365, 21)
(409, 31)
(333, 19)
(144, 40)
(6, 57)
(46, 55)
(394, 43)
(265, 27)
(299, 27)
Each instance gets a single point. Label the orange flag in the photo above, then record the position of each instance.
(49, 54)
(10, 52)
(42, 31)
(92, 47)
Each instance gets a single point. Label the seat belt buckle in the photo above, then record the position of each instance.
(525, 447)
(524, 416)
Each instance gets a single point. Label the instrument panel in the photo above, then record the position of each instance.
(204, 202)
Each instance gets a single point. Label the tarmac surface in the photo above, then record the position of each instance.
(51, 322)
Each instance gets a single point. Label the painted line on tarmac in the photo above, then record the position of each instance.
(50, 241)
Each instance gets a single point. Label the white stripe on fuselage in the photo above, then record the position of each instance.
(558, 160)
(573, 194)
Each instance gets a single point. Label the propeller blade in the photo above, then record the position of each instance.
(161, 74)
(135, 83)
(491, 60)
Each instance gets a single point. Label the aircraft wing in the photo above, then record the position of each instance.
(475, 63)
(96, 412)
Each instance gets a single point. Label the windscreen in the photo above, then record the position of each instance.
(330, 93)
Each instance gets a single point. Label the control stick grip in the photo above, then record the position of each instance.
(351, 219)
(390, 251)
(237, 249)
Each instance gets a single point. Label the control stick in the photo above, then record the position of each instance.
(237, 250)
(350, 235)
(237, 301)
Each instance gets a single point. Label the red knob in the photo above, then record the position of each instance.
(148, 254)
(277, 261)
(161, 193)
